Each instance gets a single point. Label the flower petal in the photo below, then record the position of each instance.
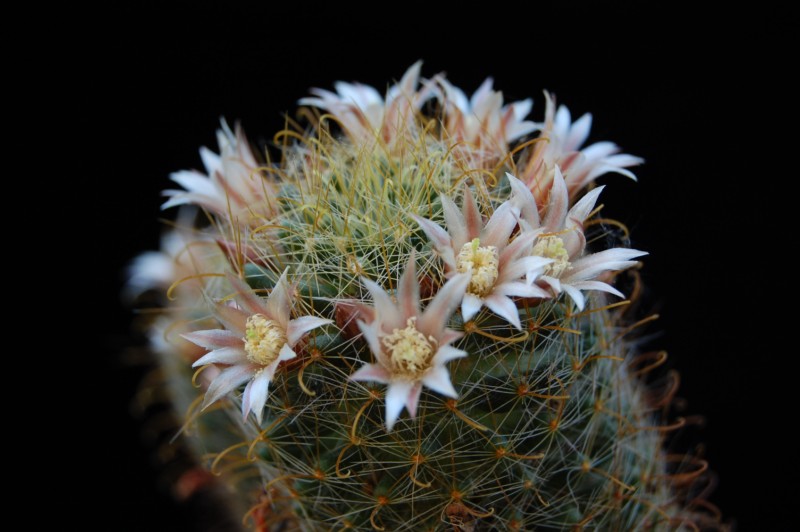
(397, 396)
(385, 310)
(214, 338)
(557, 204)
(590, 266)
(278, 305)
(529, 267)
(371, 336)
(228, 379)
(232, 318)
(524, 201)
(286, 353)
(499, 226)
(575, 294)
(371, 373)
(224, 355)
(437, 379)
(470, 306)
(408, 290)
(445, 354)
(597, 285)
(456, 225)
(472, 216)
(519, 289)
(195, 182)
(245, 296)
(413, 399)
(578, 133)
(505, 308)
(438, 312)
(438, 236)
(581, 210)
(255, 396)
(300, 326)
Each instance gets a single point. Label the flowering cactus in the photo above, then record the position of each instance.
(410, 323)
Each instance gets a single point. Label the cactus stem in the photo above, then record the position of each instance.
(339, 473)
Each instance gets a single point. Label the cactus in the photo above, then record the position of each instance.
(410, 322)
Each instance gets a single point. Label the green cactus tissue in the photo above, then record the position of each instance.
(413, 318)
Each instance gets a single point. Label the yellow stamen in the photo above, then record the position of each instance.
(263, 340)
(552, 247)
(409, 351)
(483, 263)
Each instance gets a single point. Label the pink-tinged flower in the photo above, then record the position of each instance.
(579, 166)
(234, 186)
(158, 269)
(563, 241)
(498, 269)
(257, 337)
(365, 115)
(183, 253)
(411, 348)
(483, 121)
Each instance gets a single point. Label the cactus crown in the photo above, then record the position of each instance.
(402, 326)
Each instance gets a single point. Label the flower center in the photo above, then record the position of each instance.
(482, 262)
(552, 247)
(263, 340)
(409, 351)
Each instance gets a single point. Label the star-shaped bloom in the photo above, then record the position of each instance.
(233, 187)
(482, 121)
(579, 166)
(498, 269)
(365, 115)
(563, 241)
(411, 347)
(258, 335)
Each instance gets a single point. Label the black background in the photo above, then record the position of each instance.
(678, 88)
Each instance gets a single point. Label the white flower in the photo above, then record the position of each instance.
(496, 267)
(482, 120)
(563, 241)
(579, 166)
(411, 348)
(157, 269)
(257, 337)
(365, 115)
(234, 186)
(184, 252)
